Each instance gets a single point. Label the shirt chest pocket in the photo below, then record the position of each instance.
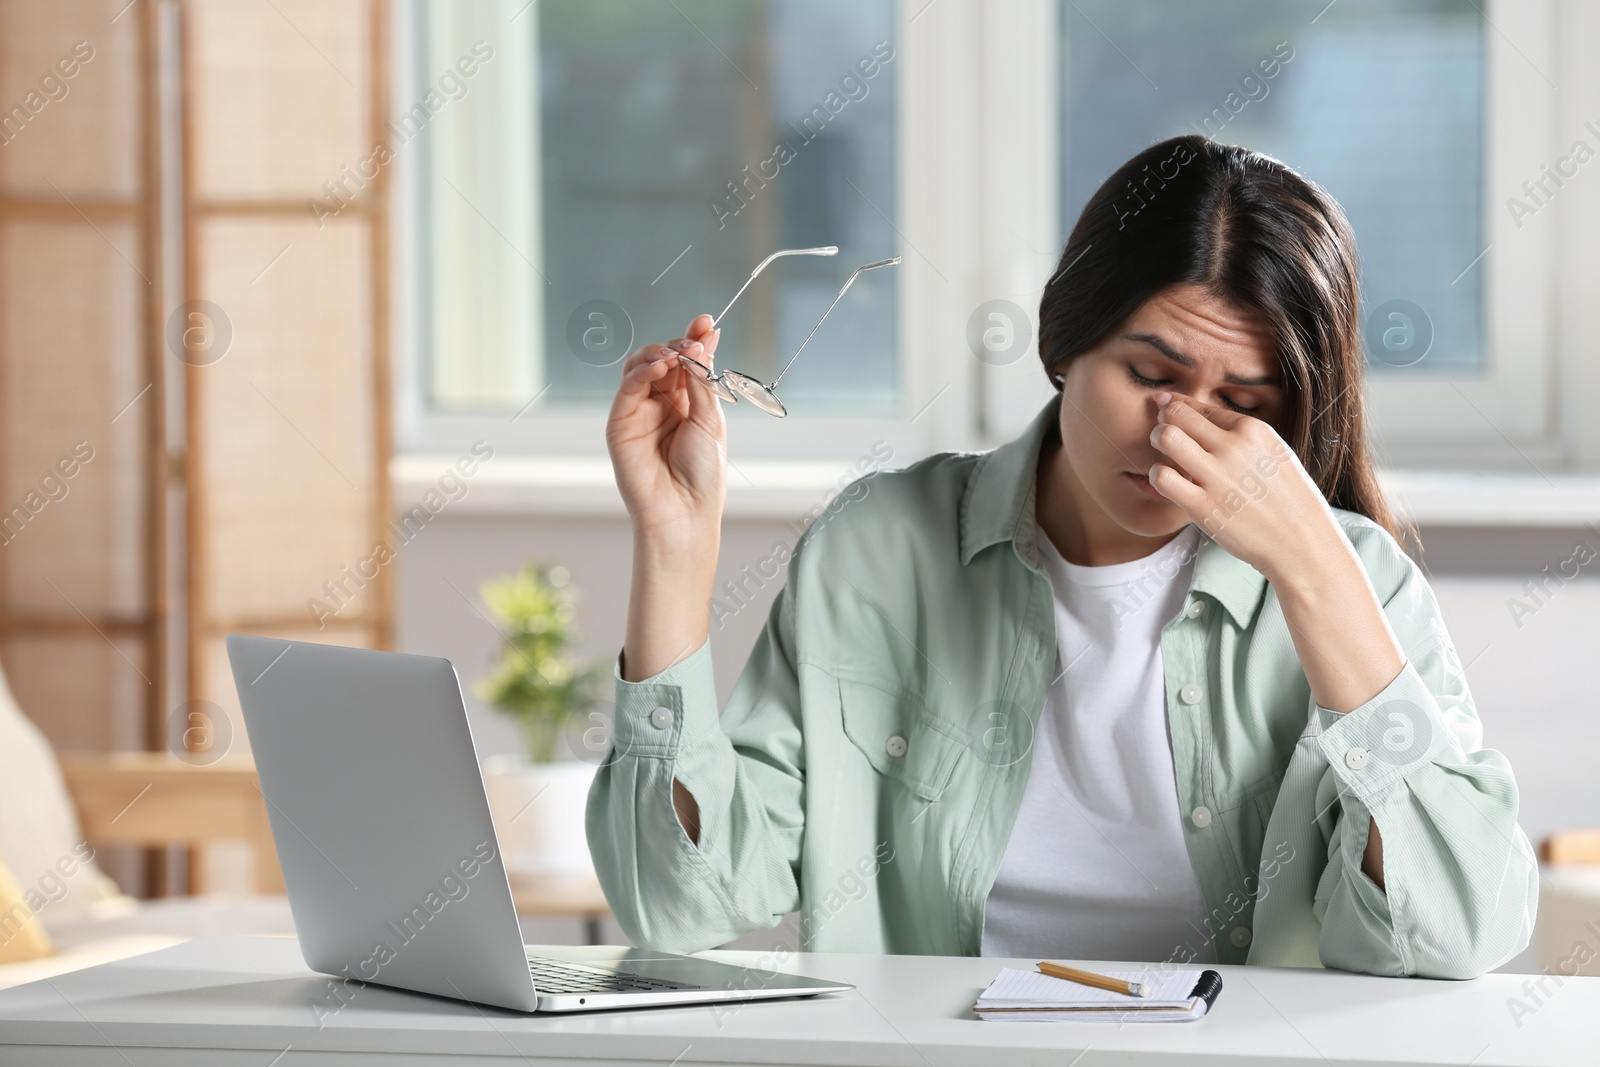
(897, 737)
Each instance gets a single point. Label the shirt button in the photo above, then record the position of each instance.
(1195, 608)
(1240, 936)
(661, 718)
(1356, 758)
(1189, 694)
(896, 745)
(1201, 816)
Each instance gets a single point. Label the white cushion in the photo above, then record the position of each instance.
(40, 838)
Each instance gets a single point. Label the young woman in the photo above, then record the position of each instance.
(1154, 681)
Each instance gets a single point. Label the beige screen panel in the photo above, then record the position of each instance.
(281, 96)
(72, 67)
(283, 430)
(70, 400)
(86, 692)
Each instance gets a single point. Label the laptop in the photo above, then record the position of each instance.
(388, 847)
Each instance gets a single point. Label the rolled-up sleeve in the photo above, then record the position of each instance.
(1460, 878)
(745, 770)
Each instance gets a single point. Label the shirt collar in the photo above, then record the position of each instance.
(998, 505)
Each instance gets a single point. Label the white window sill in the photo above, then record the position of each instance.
(1493, 498)
(586, 488)
(785, 489)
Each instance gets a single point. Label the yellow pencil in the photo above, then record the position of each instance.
(1099, 981)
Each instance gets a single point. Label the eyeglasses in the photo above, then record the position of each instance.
(730, 385)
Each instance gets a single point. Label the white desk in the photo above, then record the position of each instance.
(240, 1000)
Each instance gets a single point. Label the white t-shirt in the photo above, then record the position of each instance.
(1096, 867)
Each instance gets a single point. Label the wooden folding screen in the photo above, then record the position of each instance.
(286, 210)
(193, 337)
(82, 634)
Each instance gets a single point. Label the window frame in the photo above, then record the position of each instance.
(1484, 418)
(571, 431)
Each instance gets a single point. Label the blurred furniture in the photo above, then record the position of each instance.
(84, 472)
(536, 897)
(56, 815)
(155, 799)
(152, 798)
(1570, 848)
(194, 394)
(1568, 929)
(285, 235)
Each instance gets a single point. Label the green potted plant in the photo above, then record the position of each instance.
(538, 795)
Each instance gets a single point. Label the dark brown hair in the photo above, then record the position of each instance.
(1258, 235)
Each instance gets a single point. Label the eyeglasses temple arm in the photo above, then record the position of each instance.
(848, 282)
(824, 250)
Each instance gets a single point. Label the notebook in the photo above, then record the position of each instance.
(1028, 996)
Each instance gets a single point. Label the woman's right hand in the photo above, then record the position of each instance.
(668, 440)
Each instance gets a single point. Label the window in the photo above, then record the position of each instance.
(615, 168)
(1379, 102)
(1384, 103)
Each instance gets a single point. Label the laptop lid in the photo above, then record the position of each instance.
(380, 819)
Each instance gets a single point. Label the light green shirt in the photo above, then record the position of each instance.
(870, 762)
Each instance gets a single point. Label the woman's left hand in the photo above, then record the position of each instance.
(1241, 484)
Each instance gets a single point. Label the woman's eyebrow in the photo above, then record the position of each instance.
(1178, 357)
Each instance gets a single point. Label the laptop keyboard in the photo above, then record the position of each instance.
(552, 976)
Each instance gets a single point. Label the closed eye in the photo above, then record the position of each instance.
(1153, 382)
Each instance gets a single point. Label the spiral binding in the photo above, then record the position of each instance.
(1207, 988)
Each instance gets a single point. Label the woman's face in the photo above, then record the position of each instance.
(1182, 340)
